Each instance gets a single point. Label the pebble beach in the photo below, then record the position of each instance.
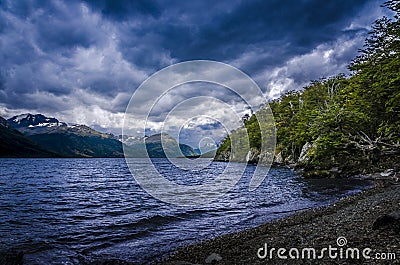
(367, 220)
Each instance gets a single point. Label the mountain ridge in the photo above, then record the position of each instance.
(158, 145)
(15, 144)
(64, 140)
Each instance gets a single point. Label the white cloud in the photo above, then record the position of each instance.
(325, 60)
(94, 115)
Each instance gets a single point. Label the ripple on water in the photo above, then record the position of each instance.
(57, 210)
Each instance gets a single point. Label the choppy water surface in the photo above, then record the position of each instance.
(61, 211)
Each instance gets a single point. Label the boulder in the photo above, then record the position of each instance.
(388, 221)
(387, 173)
(278, 158)
(213, 258)
(306, 152)
(253, 156)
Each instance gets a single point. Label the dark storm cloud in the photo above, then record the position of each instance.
(125, 9)
(275, 30)
(223, 36)
(210, 126)
(75, 57)
(56, 49)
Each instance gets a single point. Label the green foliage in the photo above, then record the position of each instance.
(347, 119)
(253, 131)
(377, 75)
(224, 147)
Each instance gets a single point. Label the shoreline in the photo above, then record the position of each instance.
(352, 217)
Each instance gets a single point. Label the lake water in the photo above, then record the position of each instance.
(63, 211)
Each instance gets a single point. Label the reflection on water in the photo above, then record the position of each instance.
(56, 210)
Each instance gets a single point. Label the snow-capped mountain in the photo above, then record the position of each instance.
(37, 120)
(29, 123)
(14, 144)
(130, 140)
(71, 141)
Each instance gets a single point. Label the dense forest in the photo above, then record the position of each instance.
(342, 125)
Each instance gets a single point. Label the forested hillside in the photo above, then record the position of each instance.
(343, 125)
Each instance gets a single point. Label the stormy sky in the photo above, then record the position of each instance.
(80, 61)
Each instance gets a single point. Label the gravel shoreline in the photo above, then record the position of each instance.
(352, 217)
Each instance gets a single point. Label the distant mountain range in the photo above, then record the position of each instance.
(157, 145)
(29, 135)
(15, 144)
(67, 141)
